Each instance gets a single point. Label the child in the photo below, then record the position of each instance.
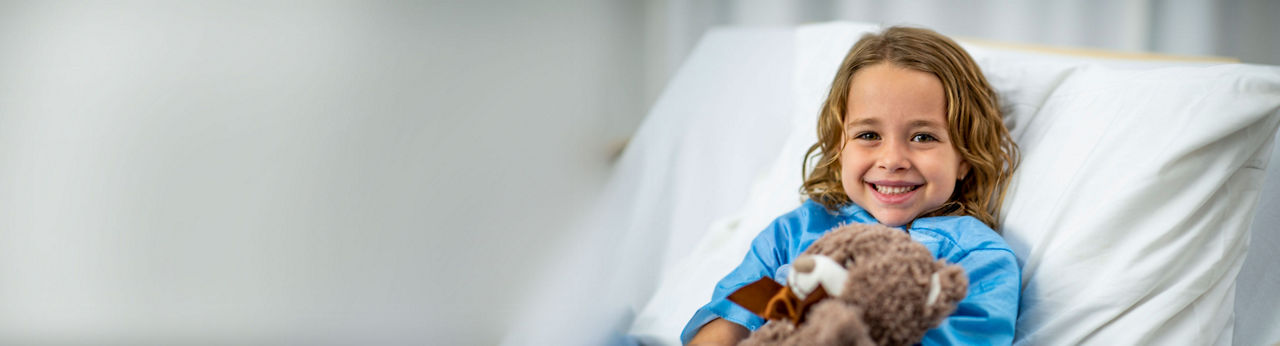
(911, 137)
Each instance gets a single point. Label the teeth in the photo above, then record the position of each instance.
(894, 190)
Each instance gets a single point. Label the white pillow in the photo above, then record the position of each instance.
(1129, 210)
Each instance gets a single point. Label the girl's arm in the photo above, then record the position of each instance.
(767, 252)
(720, 332)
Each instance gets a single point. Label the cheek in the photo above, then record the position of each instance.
(946, 173)
(851, 170)
(849, 182)
(849, 165)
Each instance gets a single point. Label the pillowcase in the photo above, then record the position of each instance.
(1131, 206)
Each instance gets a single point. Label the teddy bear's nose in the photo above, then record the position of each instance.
(804, 264)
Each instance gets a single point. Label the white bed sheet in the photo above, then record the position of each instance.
(715, 125)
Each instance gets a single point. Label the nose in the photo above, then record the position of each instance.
(892, 157)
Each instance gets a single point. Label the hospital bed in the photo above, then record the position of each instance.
(1142, 211)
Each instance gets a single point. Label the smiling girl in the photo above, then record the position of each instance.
(911, 137)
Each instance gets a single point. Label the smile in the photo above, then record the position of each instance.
(894, 190)
(895, 194)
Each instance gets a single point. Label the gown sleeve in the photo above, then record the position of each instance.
(766, 255)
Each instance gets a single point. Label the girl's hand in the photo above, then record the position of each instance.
(719, 332)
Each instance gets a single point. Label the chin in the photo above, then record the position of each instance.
(894, 220)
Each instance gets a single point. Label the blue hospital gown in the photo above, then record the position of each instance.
(986, 316)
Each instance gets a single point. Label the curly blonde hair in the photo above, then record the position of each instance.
(973, 117)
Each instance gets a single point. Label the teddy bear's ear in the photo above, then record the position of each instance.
(951, 286)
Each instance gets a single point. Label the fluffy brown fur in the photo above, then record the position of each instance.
(884, 299)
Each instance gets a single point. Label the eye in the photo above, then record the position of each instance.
(867, 136)
(924, 137)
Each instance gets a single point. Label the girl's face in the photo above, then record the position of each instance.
(898, 161)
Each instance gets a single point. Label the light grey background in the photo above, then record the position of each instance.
(353, 173)
(373, 172)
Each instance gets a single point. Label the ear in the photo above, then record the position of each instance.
(963, 170)
(954, 285)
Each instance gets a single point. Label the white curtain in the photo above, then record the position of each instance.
(1240, 29)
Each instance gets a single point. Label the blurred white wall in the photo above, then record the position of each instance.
(297, 173)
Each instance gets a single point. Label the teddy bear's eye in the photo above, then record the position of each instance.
(848, 263)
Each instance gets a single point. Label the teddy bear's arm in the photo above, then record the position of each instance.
(987, 314)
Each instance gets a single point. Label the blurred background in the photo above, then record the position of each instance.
(387, 172)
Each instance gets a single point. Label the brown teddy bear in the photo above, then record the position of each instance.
(860, 284)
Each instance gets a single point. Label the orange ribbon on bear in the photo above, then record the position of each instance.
(773, 301)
